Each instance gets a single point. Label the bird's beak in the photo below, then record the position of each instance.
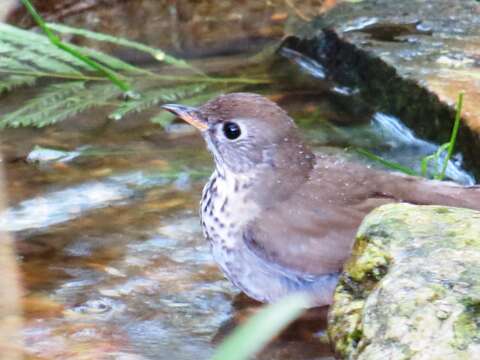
(189, 114)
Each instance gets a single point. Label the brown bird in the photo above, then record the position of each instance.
(279, 218)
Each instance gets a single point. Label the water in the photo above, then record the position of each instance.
(113, 260)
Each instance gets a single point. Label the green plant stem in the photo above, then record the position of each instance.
(55, 40)
(158, 54)
(453, 136)
(179, 78)
(218, 80)
(386, 163)
(435, 156)
(54, 75)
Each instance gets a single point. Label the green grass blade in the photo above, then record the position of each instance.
(424, 164)
(433, 157)
(110, 61)
(258, 331)
(55, 40)
(436, 156)
(388, 164)
(158, 54)
(453, 136)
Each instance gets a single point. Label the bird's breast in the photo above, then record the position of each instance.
(226, 209)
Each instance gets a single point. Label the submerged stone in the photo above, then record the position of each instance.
(411, 289)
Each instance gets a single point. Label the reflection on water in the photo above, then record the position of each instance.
(62, 205)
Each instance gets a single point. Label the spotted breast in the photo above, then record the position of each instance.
(225, 211)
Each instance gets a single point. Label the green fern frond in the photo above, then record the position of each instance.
(33, 47)
(9, 63)
(33, 112)
(46, 62)
(164, 118)
(26, 56)
(28, 60)
(12, 81)
(6, 48)
(110, 61)
(58, 102)
(152, 97)
(158, 54)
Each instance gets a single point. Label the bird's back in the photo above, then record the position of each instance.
(313, 230)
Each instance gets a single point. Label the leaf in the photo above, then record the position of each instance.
(110, 61)
(35, 55)
(251, 337)
(26, 56)
(153, 96)
(453, 136)
(388, 164)
(33, 47)
(58, 102)
(12, 81)
(158, 54)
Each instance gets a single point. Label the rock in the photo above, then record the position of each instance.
(433, 42)
(409, 59)
(411, 289)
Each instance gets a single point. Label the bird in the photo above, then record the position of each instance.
(279, 218)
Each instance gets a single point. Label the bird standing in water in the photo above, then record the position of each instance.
(280, 219)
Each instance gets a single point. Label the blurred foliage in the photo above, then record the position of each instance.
(249, 338)
(80, 78)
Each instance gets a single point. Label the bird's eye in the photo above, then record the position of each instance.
(231, 130)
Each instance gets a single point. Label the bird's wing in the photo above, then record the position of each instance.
(313, 230)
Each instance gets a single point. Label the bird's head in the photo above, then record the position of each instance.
(246, 132)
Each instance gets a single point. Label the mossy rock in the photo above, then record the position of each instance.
(411, 289)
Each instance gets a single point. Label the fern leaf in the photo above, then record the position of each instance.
(164, 118)
(6, 48)
(158, 54)
(10, 80)
(14, 64)
(34, 47)
(46, 62)
(37, 50)
(33, 111)
(13, 81)
(110, 61)
(58, 102)
(152, 97)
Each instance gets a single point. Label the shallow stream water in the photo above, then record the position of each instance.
(105, 216)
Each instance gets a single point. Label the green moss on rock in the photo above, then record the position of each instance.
(411, 289)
